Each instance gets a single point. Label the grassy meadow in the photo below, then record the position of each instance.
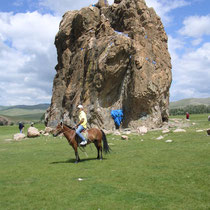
(141, 173)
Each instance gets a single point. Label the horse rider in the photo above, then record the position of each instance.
(82, 125)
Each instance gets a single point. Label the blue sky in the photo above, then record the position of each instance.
(28, 55)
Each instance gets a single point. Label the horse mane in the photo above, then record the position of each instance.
(70, 127)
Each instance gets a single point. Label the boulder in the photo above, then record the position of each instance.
(142, 130)
(112, 57)
(48, 130)
(19, 136)
(33, 132)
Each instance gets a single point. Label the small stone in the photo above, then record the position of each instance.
(166, 131)
(127, 132)
(124, 137)
(117, 133)
(160, 137)
(179, 130)
(169, 141)
(198, 131)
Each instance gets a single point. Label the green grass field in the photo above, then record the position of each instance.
(141, 173)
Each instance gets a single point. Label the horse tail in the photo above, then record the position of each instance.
(106, 147)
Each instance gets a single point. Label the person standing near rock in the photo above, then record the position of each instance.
(82, 125)
(21, 127)
(187, 115)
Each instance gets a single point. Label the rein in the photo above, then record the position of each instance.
(63, 132)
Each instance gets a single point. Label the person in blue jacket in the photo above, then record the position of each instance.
(21, 127)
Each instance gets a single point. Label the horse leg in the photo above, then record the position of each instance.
(101, 153)
(76, 153)
(77, 157)
(97, 147)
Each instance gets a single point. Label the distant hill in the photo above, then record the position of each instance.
(189, 101)
(28, 107)
(24, 112)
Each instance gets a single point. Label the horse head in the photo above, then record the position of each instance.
(58, 129)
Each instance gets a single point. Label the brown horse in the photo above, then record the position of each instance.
(95, 136)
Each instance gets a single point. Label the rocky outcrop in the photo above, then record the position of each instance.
(4, 121)
(112, 57)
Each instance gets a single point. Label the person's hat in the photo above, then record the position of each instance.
(80, 106)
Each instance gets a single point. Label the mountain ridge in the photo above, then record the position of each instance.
(189, 101)
(28, 107)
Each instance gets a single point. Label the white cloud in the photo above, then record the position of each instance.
(191, 74)
(28, 57)
(111, 2)
(62, 6)
(191, 66)
(29, 31)
(164, 7)
(196, 42)
(196, 26)
(173, 46)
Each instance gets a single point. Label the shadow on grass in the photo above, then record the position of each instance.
(73, 160)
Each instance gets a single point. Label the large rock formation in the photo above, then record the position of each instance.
(112, 57)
